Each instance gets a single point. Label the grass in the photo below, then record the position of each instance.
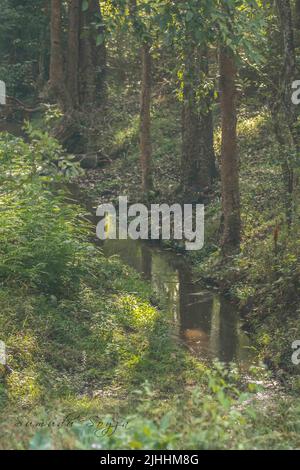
(91, 352)
(97, 366)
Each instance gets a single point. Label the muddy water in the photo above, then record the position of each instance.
(204, 321)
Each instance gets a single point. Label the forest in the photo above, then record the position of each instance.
(182, 332)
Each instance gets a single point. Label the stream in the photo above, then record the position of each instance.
(206, 322)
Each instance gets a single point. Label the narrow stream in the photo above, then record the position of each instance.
(204, 321)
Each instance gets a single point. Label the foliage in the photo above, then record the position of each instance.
(22, 32)
(87, 347)
(42, 236)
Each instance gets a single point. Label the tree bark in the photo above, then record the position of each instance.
(73, 51)
(289, 70)
(229, 155)
(145, 120)
(287, 132)
(43, 62)
(56, 73)
(92, 57)
(297, 16)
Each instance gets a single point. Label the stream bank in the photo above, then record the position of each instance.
(204, 320)
(85, 340)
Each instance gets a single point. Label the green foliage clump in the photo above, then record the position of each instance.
(43, 236)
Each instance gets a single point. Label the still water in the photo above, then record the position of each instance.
(205, 322)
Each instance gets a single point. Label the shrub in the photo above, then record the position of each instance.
(42, 235)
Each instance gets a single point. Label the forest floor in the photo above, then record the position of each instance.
(100, 368)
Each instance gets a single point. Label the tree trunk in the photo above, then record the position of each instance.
(289, 71)
(297, 17)
(56, 73)
(229, 155)
(145, 105)
(43, 62)
(198, 158)
(145, 120)
(287, 128)
(73, 51)
(92, 57)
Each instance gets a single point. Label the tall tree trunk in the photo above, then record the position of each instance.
(43, 60)
(287, 132)
(145, 105)
(198, 158)
(73, 51)
(145, 120)
(289, 70)
(229, 155)
(56, 73)
(209, 139)
(297, 21)
(92, 57)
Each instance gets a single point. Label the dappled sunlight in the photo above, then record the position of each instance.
(252, 126)
(126, 126)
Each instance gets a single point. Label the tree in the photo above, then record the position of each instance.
(92, 56)
(240, 20)
(229, 154)
(286, 130)
(75, 7)
(145, 119)
(297, 15)
(142, 34)
(84, 81)
(56, 74)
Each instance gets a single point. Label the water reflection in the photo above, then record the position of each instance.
(206, 322)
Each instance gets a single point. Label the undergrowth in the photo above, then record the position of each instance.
(93, 364)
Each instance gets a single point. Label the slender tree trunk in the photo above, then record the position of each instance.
(198, 158)
(145, 105)
(289, 134)
(229, 156)
(92, 57)
(297, 8)
(297, 16)
(145, 120)
(209, 139)
(73, 51)
(43, 61)
(56, 73)
(289, 71)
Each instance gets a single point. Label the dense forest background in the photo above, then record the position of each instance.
(165, 102)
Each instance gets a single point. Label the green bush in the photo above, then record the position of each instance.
(42, 235)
